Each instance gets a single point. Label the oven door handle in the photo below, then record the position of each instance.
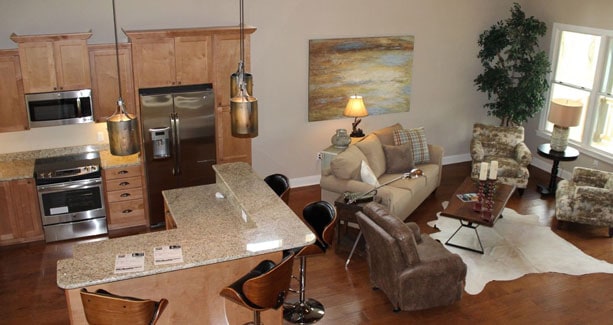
(81, 184)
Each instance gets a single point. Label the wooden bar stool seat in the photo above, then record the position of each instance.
(104, 308)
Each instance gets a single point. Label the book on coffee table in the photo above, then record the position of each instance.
(468, 197)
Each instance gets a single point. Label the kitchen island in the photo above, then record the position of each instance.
(224, 230)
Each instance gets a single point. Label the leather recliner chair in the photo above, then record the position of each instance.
(413, 270)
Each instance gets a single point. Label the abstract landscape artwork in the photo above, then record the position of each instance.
(377, 68)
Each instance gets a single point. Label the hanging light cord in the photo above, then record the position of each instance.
(120, 100)
(241, 68)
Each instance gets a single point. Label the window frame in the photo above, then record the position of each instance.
(584, 146)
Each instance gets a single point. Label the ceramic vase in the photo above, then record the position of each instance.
(341, 139)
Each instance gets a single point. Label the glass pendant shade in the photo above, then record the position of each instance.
(123, 132)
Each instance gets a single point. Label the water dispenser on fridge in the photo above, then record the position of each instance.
(160, 140)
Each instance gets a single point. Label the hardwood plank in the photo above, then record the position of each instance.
(29, 295)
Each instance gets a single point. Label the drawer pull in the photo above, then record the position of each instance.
(126, 211)
(124, 183)
(125, 195)
(122, 172)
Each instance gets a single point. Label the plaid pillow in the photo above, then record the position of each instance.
(417, 138)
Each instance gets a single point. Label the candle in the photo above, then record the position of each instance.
(493, 169)
(483, 172)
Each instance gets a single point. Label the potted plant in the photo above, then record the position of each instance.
(515, 70)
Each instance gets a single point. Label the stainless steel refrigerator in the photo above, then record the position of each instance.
(178, 130)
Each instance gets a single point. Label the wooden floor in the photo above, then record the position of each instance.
(29, 295)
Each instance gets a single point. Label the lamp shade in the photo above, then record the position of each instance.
(355, 107)
(565, 112)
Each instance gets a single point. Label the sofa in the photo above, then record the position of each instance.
(388, 154)
(412, 269)
(586, 198)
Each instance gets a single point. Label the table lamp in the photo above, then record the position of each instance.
(563, 113)
(356, 108)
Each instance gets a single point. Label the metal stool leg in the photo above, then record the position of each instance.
(355, 244)
(305, 311)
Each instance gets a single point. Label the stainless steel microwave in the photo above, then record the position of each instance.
(60, 108)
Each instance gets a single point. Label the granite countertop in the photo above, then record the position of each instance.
(20, 165)
(250, 220)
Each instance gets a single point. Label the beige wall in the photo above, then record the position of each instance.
(444, 99)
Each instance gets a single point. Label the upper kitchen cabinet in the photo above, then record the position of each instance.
(13, 115)
(171, 57)
(226, 58)
(105, 89)
(54, 62)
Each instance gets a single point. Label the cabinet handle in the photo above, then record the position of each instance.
(125, 195)
(124, 183)
(122, 172)
(126, 211)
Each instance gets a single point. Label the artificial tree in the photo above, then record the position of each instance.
(515, 70)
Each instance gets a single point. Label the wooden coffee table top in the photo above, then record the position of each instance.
(464, 210)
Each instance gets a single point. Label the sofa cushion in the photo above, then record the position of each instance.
(419, 145)
(371, 148)
(346, 165)
(386, 135)
(398, 159)
(367, 175)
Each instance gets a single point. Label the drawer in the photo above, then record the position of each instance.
(123, 183)
(126, 213)
(129, 171)
(125, 195)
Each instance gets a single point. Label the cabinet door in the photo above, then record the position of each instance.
(13, 115)
(229, 148)
(72, 64)
(226, 58)
(194, 59)
(19, 212)
(154, 62)
(104, 79)
(38, 67)
(8, 227)
(26, 209)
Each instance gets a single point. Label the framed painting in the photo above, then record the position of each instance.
(376, 68)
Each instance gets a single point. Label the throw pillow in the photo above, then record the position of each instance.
(386, 135)
(367, 175)
(417, 138)
(371, 148)
(346, 165)
(398, 159)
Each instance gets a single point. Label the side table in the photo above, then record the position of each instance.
(544, 150)
(345, 213)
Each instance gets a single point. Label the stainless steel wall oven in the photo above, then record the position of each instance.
(71, 196)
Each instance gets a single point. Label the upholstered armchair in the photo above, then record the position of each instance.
(506, 145)
(586, 198)
(412, 269)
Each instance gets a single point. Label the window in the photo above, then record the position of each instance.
(582, 69)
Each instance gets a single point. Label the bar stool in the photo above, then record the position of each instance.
(264, 287)
(320, 216)
(102, 307)
(280, 184)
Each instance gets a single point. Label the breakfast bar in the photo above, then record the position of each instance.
(223, 229)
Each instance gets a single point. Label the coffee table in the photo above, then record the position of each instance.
(470, 218)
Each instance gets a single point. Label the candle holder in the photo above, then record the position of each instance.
(488, 201)
(478, 206)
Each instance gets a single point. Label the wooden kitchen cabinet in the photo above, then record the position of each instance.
(54, 62)
(171, 57)
(103, 66)
(20, 220)
(225, 59)
(125, 204)
(13, 115)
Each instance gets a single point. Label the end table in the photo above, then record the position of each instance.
(544, 150)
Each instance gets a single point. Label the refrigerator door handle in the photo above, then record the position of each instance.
(178, 144)
(173, 131)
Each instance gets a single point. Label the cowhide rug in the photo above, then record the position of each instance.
(515, 246)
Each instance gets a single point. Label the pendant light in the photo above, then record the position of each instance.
(122, 127)
(243, 106)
